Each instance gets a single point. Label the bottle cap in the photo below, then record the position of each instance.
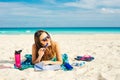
(18, 52)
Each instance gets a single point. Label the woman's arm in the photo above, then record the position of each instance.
(58, 56)
(34, 58)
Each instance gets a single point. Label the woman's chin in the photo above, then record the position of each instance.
(49, 44)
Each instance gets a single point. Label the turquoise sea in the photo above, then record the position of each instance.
(61, 30)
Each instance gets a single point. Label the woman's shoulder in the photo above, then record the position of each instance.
(55, 43)
(34, 46)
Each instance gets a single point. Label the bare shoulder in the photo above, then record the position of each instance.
(33, 46)
(33, 49)
(56, 43)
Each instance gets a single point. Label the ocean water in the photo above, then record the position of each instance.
(61, 30)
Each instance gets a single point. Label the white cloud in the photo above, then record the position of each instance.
(94, 4)
(107, 10)
(29, 11)
(86, 4)
(20, 9)
(109, 3)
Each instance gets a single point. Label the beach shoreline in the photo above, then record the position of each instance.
(105, 48)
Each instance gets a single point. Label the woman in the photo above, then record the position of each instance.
(44, 49)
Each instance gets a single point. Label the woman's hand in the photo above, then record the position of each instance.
(47, 62)
(41, 52)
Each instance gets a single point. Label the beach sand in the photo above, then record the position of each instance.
(105, 48)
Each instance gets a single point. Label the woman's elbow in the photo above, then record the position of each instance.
(33, 62)
(60, 62)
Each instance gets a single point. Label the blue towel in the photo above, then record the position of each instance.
(28, 62)
(66, 66)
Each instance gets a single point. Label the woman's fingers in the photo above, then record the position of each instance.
(41, 51)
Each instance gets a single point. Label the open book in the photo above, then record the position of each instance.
(40, 66)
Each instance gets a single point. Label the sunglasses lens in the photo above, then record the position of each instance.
(48, 37)
(45, 39)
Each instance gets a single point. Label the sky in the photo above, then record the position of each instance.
(59, 13)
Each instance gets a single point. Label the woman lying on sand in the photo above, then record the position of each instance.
(44, 49)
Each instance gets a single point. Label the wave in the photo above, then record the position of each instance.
(28, 31)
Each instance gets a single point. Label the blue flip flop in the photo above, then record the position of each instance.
(79, 64)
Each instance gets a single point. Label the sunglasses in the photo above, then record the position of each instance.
(45, 39)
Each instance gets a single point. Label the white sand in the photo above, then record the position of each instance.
(104, 47)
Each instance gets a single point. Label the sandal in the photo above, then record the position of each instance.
(85, 58)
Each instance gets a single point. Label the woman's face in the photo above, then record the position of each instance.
(44, 39)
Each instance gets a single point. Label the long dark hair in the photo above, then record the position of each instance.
(51, 49)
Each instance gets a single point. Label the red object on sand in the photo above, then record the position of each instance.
(4, 67)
